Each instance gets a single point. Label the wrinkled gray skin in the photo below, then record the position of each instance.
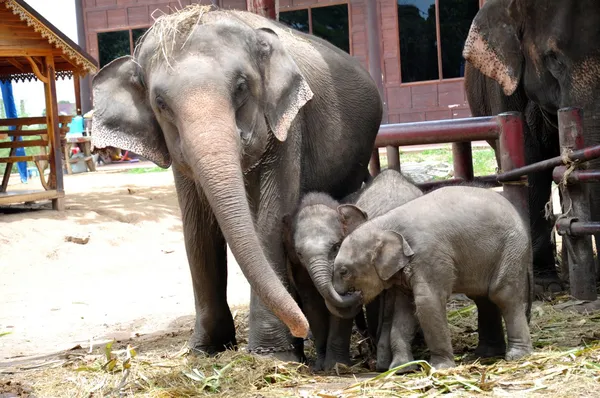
(453, 240)
(249, 113)
(312, 236)
(535, 57)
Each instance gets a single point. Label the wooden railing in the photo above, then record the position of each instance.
(44, 143)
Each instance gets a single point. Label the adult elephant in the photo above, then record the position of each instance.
(535, 57)
(251, 114)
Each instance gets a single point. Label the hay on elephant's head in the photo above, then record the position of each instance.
(171, 28)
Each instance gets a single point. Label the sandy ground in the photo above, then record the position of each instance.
(131, 277)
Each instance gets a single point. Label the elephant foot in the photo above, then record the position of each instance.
(516, 353)
(211, 350)
(291, 353)
(331, 362)
(547, 282)
(442, 363)
(490, 350)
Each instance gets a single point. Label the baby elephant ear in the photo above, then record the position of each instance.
(392, 254)
(351, 217)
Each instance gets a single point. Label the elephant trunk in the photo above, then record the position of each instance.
(211, 147)
(320, 271)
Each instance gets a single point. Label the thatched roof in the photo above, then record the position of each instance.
(25, 35)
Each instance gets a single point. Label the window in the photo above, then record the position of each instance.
(136, 34)
(112, 45)
(329, 23)
(297, 19)
(432, 35)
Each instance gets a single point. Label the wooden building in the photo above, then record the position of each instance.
(33, 49)
(420, 51)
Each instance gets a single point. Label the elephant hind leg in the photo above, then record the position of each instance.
(489, 327)
(214, 330)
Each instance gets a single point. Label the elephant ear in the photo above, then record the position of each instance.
(351, 217)
(286, 89)
(493, 45)
(123, 117)
(392, 253)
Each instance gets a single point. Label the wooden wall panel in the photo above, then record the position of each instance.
(405, 102)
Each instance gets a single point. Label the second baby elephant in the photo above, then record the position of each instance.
(453, 240)
(312, 236)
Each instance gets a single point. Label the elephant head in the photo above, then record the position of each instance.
(208, 94)
(547, 48)
(312, 237)
(369, 258)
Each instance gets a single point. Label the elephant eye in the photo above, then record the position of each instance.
(162, 105)
(344, 271)
(335, 247)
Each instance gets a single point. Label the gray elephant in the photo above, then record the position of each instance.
(535, 57)
(457, 239)
(249, 113)
(312, 236)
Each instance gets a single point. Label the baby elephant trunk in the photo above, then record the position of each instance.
(321, 274)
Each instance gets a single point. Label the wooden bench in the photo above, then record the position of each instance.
(41, 160)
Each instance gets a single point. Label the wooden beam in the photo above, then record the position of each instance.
(28, 121)
(22, 144)
(30, 196)
(56, 166)
(16, 64)
(16, 159)
(38, 73)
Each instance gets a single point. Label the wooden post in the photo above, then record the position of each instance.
(266, 8)
(576, 204)
(77, 84)
(56, 168)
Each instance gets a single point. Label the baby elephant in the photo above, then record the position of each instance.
(312, 236)
(457, 239)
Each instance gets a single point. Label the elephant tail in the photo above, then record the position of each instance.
(531, 290)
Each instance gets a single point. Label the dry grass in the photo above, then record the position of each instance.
(566, 363)
(170, 29)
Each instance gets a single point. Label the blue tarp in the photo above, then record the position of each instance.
(11, 112)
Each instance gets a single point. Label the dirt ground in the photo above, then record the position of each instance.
(130, 278)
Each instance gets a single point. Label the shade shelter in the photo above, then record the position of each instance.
(31, 48)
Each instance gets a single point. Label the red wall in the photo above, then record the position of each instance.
(405, 102)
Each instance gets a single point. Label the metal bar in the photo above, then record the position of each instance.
(374, 163)
(393, 157)
(569, 226)
(512, 156)
(575, 176)
(582, 155)
(462, 157)
(437, 132)
(576, 204)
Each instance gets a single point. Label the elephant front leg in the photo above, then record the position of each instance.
(430, 306)
(338, 342)
(386, 317)
(278, 194)
(206, 249)
(403, 329)
(315, 310)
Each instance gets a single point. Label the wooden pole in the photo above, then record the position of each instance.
(77, 84)
(266, 8)
(56, 168)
